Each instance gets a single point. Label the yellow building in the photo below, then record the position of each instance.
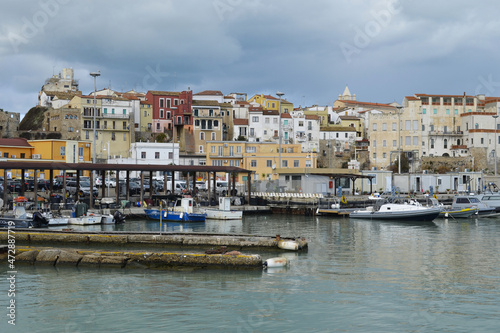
(20, 149)
(146, 124)
(269, 102)
(262, 158)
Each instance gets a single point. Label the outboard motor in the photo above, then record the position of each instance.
(118, 217)
(39, 221)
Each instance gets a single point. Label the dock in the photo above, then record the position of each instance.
(134, 259)
(153, 239)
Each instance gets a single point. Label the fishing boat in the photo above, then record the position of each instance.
(181, 211)
(390, 209)
(224, 211)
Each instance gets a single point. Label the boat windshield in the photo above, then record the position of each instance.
(474, 200)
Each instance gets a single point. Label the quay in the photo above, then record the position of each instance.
(232, 242)
(133, 259)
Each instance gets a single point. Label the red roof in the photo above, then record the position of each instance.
(286, 115)
(367, 103)
(210, 93)
(312, 117)
(15, 142)
(240, 121)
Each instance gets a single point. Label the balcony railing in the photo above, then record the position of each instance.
(443, 133)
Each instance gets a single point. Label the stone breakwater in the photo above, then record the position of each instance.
(134, 259)
(179, 240)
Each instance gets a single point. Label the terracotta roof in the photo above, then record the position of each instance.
(255, 109)
(312, 117)
(368, 103)
(349, 118)
(270, 112)
(240, 121)
(205, 103)
(271, 97)
(15, 142)
(412, 98)
(228, 97)
(338, 129)
(210, 93)
(286, 115)
(145, 103)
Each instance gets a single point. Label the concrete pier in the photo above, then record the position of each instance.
(134, 259)
(176, 240)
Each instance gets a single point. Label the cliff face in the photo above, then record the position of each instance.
(33, 120)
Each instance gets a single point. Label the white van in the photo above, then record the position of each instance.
(180, 186)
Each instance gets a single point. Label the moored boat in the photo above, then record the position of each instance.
(181, 211)
(405, 212)
(224, 211)
(469, 201)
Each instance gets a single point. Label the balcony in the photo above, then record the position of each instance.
(448, 133)
(181, 122)
(225, 155)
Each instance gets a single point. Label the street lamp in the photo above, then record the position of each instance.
(95, 75)
(399, 139)
(495, 116)
(280, 94)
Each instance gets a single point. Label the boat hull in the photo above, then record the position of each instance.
(174, 216)
(216, 214)
(464, 213)
(427, 214)
(85, 220)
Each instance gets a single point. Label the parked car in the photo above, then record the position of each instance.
(98, 181)
(83, 189)
(134, 187)
(14, 185)
(43, 185)
(111, 182)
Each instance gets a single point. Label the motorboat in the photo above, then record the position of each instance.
(391, 209)
(20, 219)
(181, 211)
(459, 213)
(224, 211)
(471, 201)
(492, 199)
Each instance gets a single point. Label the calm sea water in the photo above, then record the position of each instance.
(357, 276)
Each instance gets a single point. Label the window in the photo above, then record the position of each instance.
(143, 154)
(62, 151)
(157, 126)
(407, 140)
(415, 125)
(394, 143)
(447, 111)
(285, 122)
(384, 126)
(432, 143)
(269, 163)
(162, 102)
(124, 125)
(384, 155)
(238, 150)
(251, 149)
(295, 163)
(5, 154)
(168, 103)
(23, 155)
(200, 149)
(301, 123)
(445, 144)
(415, 140)
(168, 114)
(374, 155)
(197, 123)
(482, 141)
(456, 111)
(384, 143)
(196, 112)
(284, 163)
(374, 128)
(394, 126)
(157, 155)
(424, 111)
(210, 113)
(253, 163)
(113, 137)
(374, 144)
(124, 111)
(80, 151)
(266, 120)
(216, 123)
(213, 136)
(255, 119)
(105, 110)
(162, 113)
(202, 136)
(408, 125)
(435, 111)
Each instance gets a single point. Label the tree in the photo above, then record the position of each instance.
(405, 164)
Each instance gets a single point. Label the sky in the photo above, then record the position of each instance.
(383, 50)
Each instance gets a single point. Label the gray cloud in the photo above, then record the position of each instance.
(394, 48)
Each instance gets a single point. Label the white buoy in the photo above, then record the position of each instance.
(276, 262)
(288, 245)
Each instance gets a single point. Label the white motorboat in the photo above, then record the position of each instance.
(224, 211)
(405, 212)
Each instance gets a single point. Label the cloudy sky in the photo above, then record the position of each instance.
(382, 49)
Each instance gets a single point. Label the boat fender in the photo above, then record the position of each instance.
(276, 262)
(288, 245)
(343, 199)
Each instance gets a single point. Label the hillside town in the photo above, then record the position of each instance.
(264, 133)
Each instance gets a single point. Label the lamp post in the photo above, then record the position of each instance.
(280, 94)
(495, 116)
(95, 75)
(399, 139)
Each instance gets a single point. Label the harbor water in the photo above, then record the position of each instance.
(357, 276)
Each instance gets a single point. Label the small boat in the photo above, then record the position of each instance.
(470, 201)
(224, 211)
(20, 219)
(492, 199)
(391, 210)
(81, 216)
(116, 218)
(181, 211)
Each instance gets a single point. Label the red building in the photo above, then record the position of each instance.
(173, 109)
